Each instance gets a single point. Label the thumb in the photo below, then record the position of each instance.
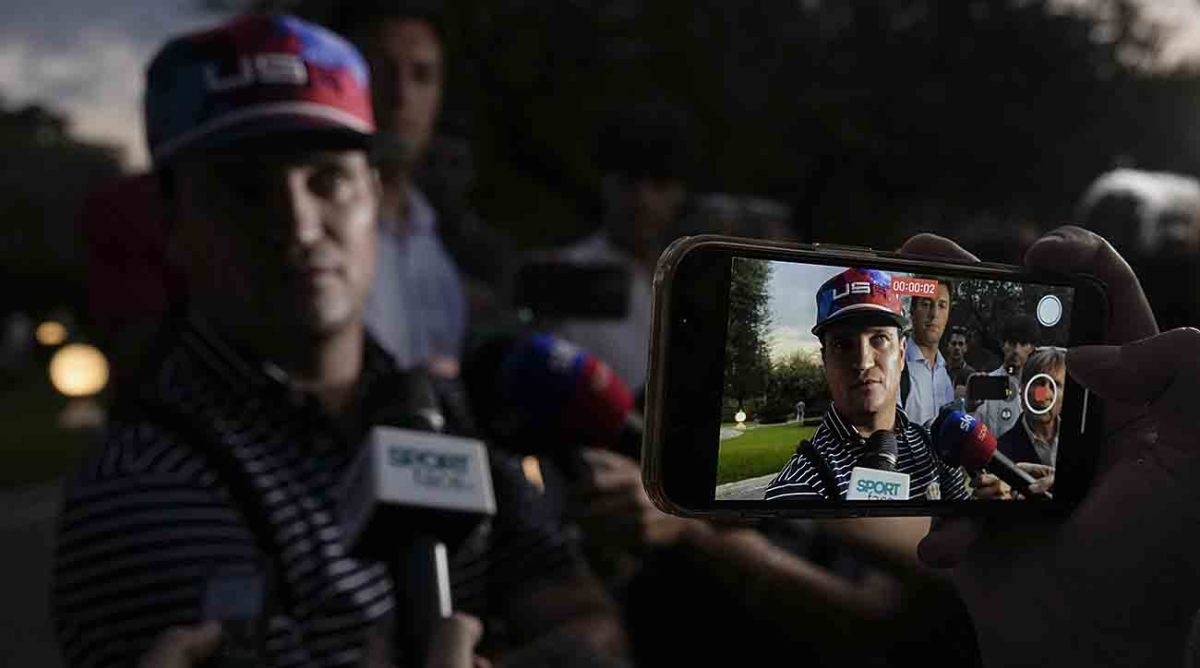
(1159, 373)
(454, 642)
(182, 646)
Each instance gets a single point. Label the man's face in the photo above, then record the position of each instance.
(278, 244)
(1041, 392)
(956, 348)
(929, 317)
(1015, 355)
(862, 367)
(405, 57)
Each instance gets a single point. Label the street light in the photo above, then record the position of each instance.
(51, 333)
(79, 372)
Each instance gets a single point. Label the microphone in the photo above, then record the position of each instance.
(883, 451)
(964, 440)
(536, 394)
(875, 477)
(403, 499)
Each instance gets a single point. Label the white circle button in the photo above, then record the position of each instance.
(1049, 310)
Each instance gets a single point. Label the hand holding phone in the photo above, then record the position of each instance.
(1051, 583)
(235, 596)
(183, 647)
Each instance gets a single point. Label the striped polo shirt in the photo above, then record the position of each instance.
(148, 516)
(841, 447)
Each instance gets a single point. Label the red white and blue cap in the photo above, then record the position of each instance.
(252, 77)
(858, 294)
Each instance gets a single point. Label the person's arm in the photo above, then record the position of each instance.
(772, 583)
(537, 576)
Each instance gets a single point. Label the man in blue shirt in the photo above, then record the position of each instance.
(929, 384)
(417, 306)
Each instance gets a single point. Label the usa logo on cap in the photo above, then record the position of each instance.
(857, 293)
(255, 76)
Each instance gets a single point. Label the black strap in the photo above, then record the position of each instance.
(236, 481)
(905, 386)
(814, 458)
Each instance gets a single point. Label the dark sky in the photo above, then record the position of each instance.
(87, 57)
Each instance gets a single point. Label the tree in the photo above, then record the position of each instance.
(985, 306)
(798, 377)
(747, 363)
(44, 177)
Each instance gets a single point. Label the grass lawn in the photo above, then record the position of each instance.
(759, 451)
(33, 448)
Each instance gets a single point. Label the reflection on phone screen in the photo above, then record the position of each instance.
(859, 384)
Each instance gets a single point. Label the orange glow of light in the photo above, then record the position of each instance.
(78, 370)
(51, 333)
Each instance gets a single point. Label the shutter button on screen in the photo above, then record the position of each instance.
(1049, 310)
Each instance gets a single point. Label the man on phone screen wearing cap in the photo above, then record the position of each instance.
(860, 324)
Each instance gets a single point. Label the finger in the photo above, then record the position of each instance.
(1159, 373)
(612, 480)
(183, 646)
(1042, 485)
(610, 506)
(454, 641)
(948, 542)
(605, 460)
(1035, 470)
(931, 245)
(1136, 373)
(203, 641)
(1076, 250)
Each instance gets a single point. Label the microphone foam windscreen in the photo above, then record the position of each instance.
(964, 440)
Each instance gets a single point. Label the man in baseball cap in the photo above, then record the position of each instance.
(860, 323)
(214, 488)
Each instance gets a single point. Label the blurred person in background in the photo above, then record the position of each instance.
(927, 385)
(417, 306)
(486, 258)
(1043, 380)
(1153, 219)
(131, 286)
(1018, 338)
(957, 347)
(645, 155)
(230, 449)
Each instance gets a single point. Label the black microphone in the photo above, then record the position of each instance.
(964, 440)
(882, 451)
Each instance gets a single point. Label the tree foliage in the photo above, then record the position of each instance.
(746, 360)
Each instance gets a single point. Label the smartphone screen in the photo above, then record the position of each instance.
(235, 597)
(787, 377)
(823, 363)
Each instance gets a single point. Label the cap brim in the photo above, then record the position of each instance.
(284, 126)
(866, 314)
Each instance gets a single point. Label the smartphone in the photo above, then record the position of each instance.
(558, 290)
(983, 387)
(235, 596)
(744, 330)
